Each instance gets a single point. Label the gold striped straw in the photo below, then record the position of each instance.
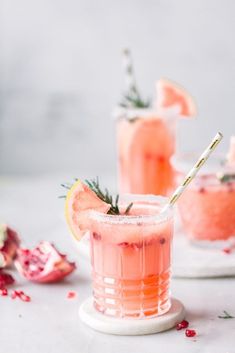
(193, 172)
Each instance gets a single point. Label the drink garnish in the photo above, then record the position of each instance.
(226, 315)
(107, 197)
(132, 98)
(84, 197)
(226, 177)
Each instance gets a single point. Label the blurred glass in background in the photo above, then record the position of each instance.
(61, 75)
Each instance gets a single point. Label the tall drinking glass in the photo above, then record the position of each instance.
(145, 143)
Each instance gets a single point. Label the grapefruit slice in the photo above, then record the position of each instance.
(171, 94)
(231, 152)
(79, 201)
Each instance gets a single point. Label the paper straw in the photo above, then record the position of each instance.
(129, 71)
(193, 172)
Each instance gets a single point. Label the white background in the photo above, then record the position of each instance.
(61, 75)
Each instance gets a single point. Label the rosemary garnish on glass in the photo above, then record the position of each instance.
(107, 197)
(226, 178)
(132, 98)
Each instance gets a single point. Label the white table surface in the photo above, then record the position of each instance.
(50, 323)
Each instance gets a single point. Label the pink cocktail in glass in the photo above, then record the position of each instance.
(131, 259)
(145, 142)
(207, 206)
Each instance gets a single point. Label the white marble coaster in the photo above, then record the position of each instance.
(189, 261)
(129, 327)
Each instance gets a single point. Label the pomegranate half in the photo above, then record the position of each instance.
(43, 264)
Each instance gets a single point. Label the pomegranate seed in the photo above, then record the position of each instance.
(162, 241)
(21, 295)
(190, 333)
(96, 236)
(3, 292)
(182, 324)
(71, 294)
(14, 294)
(24, 297)
(124, 244)
(227, 250)
(202, 190)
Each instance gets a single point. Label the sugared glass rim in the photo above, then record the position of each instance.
(210, 173)
(145, 113)
(143, 219)
(182, 162)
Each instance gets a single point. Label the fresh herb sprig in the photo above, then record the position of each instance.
(226, 178)
(226, 315)
(107, 197)
(132, 98)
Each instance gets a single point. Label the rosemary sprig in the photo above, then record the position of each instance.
(128, 208)
(225, 178)
(132, 98)
(106, 197)
(226, 315)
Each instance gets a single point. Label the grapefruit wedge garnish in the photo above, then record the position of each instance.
(170, 94)
(79, 202)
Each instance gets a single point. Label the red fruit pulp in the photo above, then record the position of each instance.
(43, 264)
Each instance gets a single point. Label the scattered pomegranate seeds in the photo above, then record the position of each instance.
(3, 292)
(71, 294)
(190, 333)
(227, 250)
(181, 325)
(20, 294)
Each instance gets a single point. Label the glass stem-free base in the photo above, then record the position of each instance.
(144, 298)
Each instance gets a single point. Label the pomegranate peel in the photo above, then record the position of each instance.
(5, 279)
(9, 243)
(43, 264)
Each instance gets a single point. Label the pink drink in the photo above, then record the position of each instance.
(207, 206)
(146, 142)
(131, 259)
